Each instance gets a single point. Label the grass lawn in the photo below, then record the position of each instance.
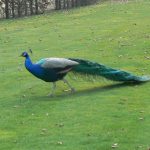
(100, 113)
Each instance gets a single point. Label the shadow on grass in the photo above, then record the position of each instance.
(84, 92)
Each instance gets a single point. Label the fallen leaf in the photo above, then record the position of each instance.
(16, 106)
(44, 130)
(60, 125)
(141, 118)
(141, 111)
(115, 145)
(147, 57)
(120, 56)
(60, 142)
(23, 95)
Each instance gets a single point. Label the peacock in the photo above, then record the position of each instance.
(55, 69)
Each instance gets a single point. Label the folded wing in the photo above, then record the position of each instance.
(61, 65)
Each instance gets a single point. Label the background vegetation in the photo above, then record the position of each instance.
(20, 8)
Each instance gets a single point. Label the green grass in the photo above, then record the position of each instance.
(99, 114)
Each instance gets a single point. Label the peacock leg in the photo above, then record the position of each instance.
(53, 90)
(71, 88)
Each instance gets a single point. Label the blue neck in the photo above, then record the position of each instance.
(35, 69)
(28, 64)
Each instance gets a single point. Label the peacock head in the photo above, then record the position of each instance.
(24, 54)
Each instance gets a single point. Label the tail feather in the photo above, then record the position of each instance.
(95, 69)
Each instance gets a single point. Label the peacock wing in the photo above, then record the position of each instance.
(54, 63)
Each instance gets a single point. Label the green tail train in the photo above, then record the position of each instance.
(95, 69)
